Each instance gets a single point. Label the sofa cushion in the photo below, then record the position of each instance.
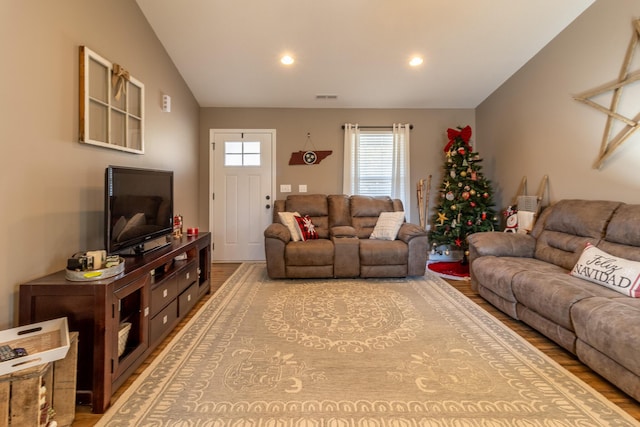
(309, 253)
(553, 295)
(365, 211)
(622, 237)
(568, 226)
(383, 252)
(612, 326)
(497, 273)
(561, 249)
(599, 267)
(314, 205)
(587, 218)
(387, 226)
(624, 227)
(339, 210)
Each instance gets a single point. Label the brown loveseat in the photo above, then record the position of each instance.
(343, 249)
(527, 277)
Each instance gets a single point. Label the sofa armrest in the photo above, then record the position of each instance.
(497, 243)
(408, 231)
(342, 231)
(277, 231)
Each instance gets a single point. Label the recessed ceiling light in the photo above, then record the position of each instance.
(415, 61)
(287, 60)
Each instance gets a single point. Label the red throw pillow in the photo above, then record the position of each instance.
(307, 229)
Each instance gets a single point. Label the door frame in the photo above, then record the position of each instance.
(212, 172)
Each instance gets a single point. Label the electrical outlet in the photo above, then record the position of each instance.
(302, 188)
(285, 188)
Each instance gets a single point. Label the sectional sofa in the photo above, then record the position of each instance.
(575, 279)
(342, 246)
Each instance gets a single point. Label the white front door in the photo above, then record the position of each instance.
(241, 203)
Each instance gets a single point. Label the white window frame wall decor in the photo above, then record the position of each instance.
(106, 121)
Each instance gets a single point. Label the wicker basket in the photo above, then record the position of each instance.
(123, 335)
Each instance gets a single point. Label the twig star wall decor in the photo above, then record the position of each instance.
(611, 142)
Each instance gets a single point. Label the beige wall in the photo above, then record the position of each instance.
(532, 126)
(51, 186)
(428, 137)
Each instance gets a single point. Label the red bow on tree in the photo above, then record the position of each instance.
(464, 133)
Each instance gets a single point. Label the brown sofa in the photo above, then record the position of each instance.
(527, 277)
(343, 249)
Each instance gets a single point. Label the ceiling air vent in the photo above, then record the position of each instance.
(326, 96)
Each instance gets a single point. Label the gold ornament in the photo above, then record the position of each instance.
(442, 217)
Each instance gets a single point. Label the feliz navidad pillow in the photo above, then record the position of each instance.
(599, 267)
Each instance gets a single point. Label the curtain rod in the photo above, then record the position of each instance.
(378, 127)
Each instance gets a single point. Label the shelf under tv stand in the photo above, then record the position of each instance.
(153, 293)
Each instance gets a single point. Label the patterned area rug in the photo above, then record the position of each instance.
(375, 352)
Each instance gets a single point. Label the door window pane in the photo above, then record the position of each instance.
(237, 153)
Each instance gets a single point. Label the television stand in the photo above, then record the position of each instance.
(122, 319)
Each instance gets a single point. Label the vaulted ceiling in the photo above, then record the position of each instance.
(353, 53)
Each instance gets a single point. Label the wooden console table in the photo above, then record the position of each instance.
(153, 293)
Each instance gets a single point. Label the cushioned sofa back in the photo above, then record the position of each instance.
(622, 237)
(314, 205)
(568, 226)
(365, 211)
(339, 210)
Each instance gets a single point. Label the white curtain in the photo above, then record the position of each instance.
(350, 171)
(400, 172)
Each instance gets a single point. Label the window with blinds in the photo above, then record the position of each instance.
(375, 163)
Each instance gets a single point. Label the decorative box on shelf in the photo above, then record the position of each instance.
(43, 342)
(43, 395)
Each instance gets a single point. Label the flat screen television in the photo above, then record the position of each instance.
(138, 209)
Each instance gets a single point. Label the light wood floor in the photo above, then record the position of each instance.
(220, 272)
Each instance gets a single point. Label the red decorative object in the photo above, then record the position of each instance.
(464, 133)
(298, 157)
(450, 270)
(307, 229)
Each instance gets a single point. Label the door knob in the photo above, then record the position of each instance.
(268, 206)
(268, 197)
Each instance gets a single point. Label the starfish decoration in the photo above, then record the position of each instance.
(609, 143)
(458, 242)
(442, 217)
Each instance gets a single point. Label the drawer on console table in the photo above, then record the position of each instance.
(187, 299)
(164, 321)
(163, 293)
(187, 275)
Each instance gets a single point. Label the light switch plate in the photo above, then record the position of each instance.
(285, 188)
(302, 188)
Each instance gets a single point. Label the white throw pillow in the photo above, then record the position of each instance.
(288, 219)
(599, 267)
(388, 226)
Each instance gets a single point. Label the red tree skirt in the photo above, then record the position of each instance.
(450, 270)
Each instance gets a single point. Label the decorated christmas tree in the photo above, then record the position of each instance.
(465, 199)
